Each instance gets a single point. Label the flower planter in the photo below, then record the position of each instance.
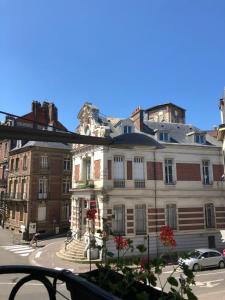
(105, 279)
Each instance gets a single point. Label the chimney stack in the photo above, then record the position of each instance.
(137, 117)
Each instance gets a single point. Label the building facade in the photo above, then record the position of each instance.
(159, 170)
(37, 175)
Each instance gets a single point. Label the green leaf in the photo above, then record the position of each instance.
(191, 296)
(172, 281)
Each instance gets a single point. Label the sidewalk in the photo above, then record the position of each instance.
(46, 257)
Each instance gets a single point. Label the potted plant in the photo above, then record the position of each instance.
(138, 281)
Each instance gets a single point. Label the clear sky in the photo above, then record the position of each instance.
(117, 54)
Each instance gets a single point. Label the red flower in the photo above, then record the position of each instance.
(167, 237)
(120, 242)
(144, 263)
(91, 213)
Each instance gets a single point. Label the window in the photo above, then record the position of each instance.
(127, 129)
(140, 219)
(24, 189)
(25, 162)
(88, 169)
(43, 188)
(67, 164)
(171, 216)
(139, 168)
(12, 165)
(41, 212)
(119, 219)
(164, 136)
(44, 162)
(209, 216)
(21, 213)
(66, 211)
(139, 176)
(199, 138)
(17, 164)
(66, 185)
(205, 172)
(169, 171)
(118, 167)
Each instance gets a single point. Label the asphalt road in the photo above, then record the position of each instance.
(11, 255)
(209, 283)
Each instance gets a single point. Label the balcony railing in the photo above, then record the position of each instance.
(42, 195)
(85, 184)
(119, 183)
(139, 184)
(16, 196)
(78, 287)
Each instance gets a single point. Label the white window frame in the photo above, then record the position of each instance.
(171, 215)
(138, 169)
(66, 185)
(44, 161)
(43, 187)
(127, 129)
(169, 172)
(164, 136)
(41, 213)
(140, 219)
(119, 219)
(199, 138)
(210, 218)
(118, 167)
(67, 164)
(206, 172)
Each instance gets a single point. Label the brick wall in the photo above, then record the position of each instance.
(188, 172)
(218, 171)
(157, 172)
(97, 168)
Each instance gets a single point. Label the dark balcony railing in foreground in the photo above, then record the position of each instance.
(78, 287)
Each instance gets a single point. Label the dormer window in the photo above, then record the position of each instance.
(199, 138)
(164, 136)
(127, 129)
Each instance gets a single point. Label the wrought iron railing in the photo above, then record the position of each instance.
(78, 287)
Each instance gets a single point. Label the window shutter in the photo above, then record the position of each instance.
(109, 169)
(129, 170)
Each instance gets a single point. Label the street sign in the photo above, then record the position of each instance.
(32, 228)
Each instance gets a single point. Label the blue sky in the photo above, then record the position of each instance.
(116, 54)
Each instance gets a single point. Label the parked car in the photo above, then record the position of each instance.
(204, 258)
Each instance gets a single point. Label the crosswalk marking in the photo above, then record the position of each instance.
(22, 250)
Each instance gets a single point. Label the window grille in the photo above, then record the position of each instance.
(140, 219)
(119, 219)
(169, 171)
(171, 212)
(209, 215)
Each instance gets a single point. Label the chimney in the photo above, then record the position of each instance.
(137, 117)
(36, 108)
(53, 113)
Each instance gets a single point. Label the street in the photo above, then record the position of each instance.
(209, 283)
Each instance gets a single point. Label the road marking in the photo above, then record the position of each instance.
(38, 254)
(22, 250)
(208, 284)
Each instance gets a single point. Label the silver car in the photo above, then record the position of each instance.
(204, 258)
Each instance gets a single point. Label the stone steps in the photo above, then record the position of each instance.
(74, 251)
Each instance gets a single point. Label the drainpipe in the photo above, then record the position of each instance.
(155, 203)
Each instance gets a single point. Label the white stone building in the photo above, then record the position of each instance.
(158, 171)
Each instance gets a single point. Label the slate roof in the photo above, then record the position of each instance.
(50, 145)
(178, 132)
(135, 139)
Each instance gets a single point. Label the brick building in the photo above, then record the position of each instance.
(159, 171)
(38, 175)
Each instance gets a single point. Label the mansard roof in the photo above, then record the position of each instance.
(135, 139)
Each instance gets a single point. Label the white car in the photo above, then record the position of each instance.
(204, 258)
